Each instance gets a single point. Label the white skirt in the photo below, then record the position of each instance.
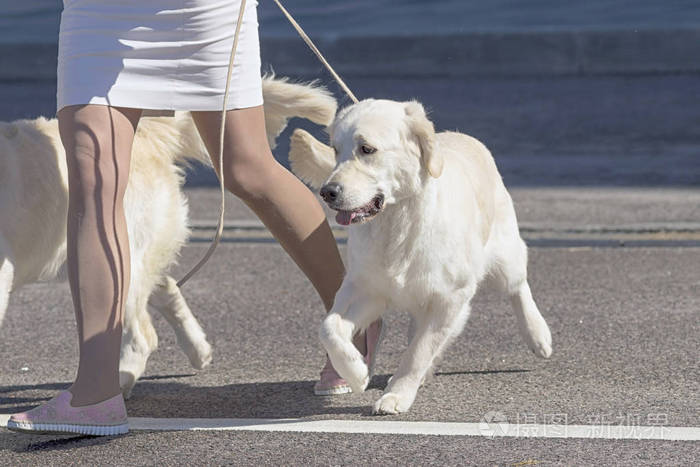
(157, 54)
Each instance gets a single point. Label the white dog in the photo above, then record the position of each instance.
(34, 203)
(429, 219)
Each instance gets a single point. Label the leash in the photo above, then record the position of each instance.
(314, 49)
(220, 225)
(318, 53)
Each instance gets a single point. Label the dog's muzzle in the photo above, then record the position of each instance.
(332, 194)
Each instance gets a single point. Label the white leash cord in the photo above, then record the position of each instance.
(315, 50)
(220, 225)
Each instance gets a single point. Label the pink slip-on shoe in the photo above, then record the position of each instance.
(60, 417)
(330, 383)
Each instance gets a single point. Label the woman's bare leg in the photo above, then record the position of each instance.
(280, 200)
(98, 141)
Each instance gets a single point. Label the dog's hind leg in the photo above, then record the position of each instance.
(139, 340)
(350, 314)
(511, 269)
(435, 328)
(7, 274)
(168, 300)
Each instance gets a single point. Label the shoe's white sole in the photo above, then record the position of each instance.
(64, 428)
(333, 391)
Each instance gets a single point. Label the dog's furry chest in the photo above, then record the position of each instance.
(405, 266)
(373, 264)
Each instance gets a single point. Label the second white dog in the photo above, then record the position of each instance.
(429, 219)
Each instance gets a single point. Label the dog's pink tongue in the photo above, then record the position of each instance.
(344, 217)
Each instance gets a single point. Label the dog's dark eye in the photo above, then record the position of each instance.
(367, 149)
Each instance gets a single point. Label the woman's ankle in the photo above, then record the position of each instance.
(91, 394)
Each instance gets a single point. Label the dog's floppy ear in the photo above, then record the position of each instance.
(424, 130)
(311, 160)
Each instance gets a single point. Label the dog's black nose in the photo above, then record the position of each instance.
(331, 192)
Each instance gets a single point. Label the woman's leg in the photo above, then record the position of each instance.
(98, 141)
(287, 208)
(281, 201)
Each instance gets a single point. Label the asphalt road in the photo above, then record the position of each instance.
(624, 319)
(604, 173)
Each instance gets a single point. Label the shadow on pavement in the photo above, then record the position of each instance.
(10, 396)
(21, 442)
(157, 399)
(286, 399)
(25, 387)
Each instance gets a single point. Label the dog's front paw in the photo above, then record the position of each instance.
(346, 359)
(360, 383)
(392, 403)
(354, 372)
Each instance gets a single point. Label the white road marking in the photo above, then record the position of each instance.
(483, 429)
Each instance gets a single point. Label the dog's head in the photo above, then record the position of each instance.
(383, 151)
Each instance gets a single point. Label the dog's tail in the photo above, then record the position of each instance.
(177, 137)
(311, 160)
(284, 100)
(171, 139)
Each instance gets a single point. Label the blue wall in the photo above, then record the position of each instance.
(37, 20)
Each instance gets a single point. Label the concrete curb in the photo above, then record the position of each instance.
(477, 54)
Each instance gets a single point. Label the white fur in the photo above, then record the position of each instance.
(309, 159)
(447, 223)
(284, 100)
(34, 203)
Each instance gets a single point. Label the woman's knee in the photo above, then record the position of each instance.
(93, 169)
(98, 150)
(250, 180)
(249, 167)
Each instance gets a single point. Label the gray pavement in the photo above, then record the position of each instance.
(542, 207)
(595, 132)
(624, 324)
(148, 449)
(548, 216)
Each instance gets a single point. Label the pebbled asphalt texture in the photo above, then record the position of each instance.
(623, 319)
(604, 172)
